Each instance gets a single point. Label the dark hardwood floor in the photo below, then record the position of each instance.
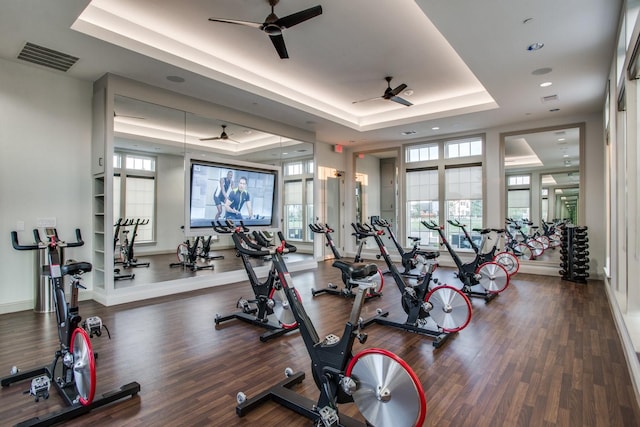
(544, 353)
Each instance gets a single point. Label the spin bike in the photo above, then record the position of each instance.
(187, 254)
(383, 387)
(128, 258)
(490, 275)
(352, 273)
(269, 309)
(116, 239)
(536, 246)
(410, 260)
(75, 377)
(519, 249)
(506, 259)
(446, 306)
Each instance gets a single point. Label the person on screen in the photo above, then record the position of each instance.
(221, 195)
(238, 199)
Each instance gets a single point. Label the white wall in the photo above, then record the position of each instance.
(45, 143)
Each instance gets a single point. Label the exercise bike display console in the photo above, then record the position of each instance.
(74, 377)
(383, 387)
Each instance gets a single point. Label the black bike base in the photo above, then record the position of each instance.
(282, 394)
(275, 330)
(192, 266)
(486, 296)
(72, 410)
(439, 337)
(134, 264)
(344, 292)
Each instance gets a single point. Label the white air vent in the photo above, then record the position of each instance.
(549, 98)
(46, 57)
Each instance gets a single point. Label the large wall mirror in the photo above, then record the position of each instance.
(542, 170)
(376, 188)
(153, 145)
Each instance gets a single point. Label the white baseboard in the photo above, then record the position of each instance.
(627, 344)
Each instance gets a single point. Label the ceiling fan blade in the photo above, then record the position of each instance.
(278, 43)
(296, 18)
(367, 100)
(400, 101)
(213, 138)
(399, 89)
(233, 21)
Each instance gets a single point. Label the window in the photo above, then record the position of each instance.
(422, 153)
(463, 195)
(298, 200)
(134, 192)
(518, 180)
(444, 181)
(518, 203)
(463, 148)
(519, 196)
(298, 168)
(422, 204)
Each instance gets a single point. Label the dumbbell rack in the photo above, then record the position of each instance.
(574, 254)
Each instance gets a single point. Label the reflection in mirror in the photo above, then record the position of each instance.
(542, 176)
(151, 143)
(376, 187)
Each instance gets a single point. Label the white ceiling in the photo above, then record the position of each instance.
(466, 61)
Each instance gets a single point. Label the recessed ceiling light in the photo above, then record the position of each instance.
(545, 84)
(175, 79)
(435, 128)
(535, 46)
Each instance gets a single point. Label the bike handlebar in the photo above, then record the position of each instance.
(365, 230)
(245, 246)
(432, 225)
(41, 245)
(455, 223)
(381, 222)
(321, 228)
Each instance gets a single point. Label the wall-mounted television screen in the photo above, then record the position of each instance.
(220, 192)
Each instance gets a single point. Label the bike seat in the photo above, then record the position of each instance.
(356, 270)
(429, 254)
(75, 267)
(414, 239)
(482, 230)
